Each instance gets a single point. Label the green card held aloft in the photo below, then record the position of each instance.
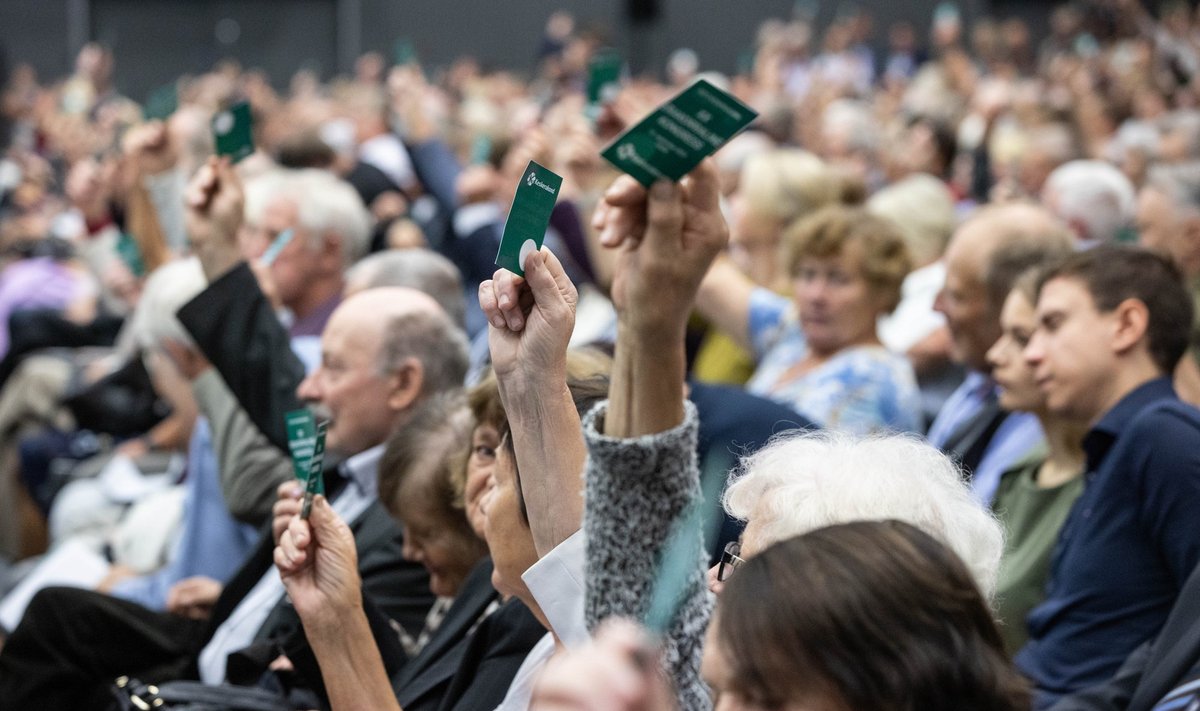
(604, 79)
(528, 217)
(302, 440)
(233, 132)
(676, 136)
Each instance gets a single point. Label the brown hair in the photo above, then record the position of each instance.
(828, 232)
(430, 446)
(1113, 273)
(871, 615)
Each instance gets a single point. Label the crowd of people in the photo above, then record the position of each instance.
(888, 404)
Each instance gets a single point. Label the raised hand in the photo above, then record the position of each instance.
(667, 237)
(318, 563)
(531, 318)
(215, 201)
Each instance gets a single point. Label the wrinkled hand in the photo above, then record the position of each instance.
(287, 507)
(531, 318)
(319, 566)
(603, 676)
(667, 238)
(215, 202)
(151, 147)
(194, 597)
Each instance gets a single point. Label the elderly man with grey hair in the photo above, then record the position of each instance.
(1168, 220)
(1093, 198)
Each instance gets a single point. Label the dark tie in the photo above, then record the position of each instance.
(968, 442)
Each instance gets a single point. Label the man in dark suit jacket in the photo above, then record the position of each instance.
(1156, 675)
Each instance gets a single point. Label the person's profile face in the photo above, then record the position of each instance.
(348, 387)
(509, 539)
(482, 460)
(1071, 360)
(1014, 375)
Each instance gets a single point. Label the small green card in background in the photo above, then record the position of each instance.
(403, 52)
(161, 103)
(604, 80)
(302, 440)
(232, 132)
(676, 136)
(528, 217)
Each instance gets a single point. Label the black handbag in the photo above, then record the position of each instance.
(132, 695)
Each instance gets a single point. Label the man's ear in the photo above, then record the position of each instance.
(1130, 326)
(405, 384)
(331, 250)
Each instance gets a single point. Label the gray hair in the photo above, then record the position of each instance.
(430, 337)
(166, 290)
(420, 269)
(1179, 182)
(1092, 196)
(803, 481)
(326, 204)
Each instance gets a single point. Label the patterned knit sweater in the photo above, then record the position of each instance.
(637, 490)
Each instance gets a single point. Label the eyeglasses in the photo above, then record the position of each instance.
(730, 560)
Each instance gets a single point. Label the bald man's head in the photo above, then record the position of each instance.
(984, 246)
(383, 351)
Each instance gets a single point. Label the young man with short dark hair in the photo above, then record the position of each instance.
(1112, 325)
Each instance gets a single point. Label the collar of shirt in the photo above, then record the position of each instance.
(314, 323)
(362, 469)
(1104, 433)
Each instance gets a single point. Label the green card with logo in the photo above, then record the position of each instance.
(232, 132)
(528, 217)
(676, 136)
(302, 440)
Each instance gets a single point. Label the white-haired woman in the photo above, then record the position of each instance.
(642, 473)
(807, 480)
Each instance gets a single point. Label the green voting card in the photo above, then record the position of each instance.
(161, 103)
(403, 52)
(528, 217)
(604, 80)
(232, 132)
(302, 440)
(316, 472)
(676, 136)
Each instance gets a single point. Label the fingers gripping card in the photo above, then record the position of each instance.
(528, 218)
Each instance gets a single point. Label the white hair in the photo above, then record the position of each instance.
(807, 480)
(166, 290)
(1093, 197)
(326, 204)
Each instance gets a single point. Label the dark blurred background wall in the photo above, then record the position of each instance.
(155, 41)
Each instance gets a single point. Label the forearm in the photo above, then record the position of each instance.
(646, 393)
(353, 672)
(724, 299)
(548, 442)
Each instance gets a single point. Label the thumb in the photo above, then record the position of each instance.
(664, 213)
(548, 279)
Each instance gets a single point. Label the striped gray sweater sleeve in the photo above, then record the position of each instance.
(637, 489)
